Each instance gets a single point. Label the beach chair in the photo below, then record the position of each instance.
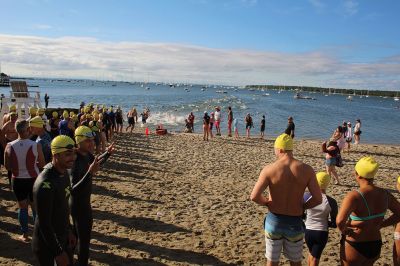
(19, 89)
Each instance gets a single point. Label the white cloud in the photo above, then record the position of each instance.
(91, 58)
(350, 7)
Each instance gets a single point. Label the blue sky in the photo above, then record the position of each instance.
(342, 43)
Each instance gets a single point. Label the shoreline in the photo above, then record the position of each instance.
(296, 139)
(179, 200)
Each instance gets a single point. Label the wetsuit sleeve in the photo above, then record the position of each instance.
(44, 203)
(87, 177)
(334, 211)
(104, 156)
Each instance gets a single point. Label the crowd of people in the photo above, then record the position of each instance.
(359, 219)
(51, 164)
(215, 119)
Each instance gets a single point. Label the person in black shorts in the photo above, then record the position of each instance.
(318, 220)
(131, 115)
(23, 158)
(249, 124)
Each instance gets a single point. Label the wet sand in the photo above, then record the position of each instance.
(177, 200)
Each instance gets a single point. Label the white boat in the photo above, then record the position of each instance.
(301, 97)
(349, 98)
(396, 99)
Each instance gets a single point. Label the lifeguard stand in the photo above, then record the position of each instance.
(21, 98)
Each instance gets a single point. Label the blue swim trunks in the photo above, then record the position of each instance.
(278, 226)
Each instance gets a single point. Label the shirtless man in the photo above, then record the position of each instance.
(6, 116)
(8, 134)
(287, 179)
(132, 119)
(8, 129)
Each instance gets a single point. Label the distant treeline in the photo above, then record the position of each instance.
(326, 90)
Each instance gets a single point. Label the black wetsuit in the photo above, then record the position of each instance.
(51, 192)
(81, 209)
(290, 129)
(118, 118)
(106, 124)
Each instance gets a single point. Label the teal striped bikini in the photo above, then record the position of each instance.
(368, 249)
(369, 217)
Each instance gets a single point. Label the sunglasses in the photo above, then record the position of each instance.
(88, 135)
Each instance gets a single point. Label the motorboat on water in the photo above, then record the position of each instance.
(301, 97)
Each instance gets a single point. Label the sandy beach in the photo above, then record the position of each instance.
(177, 200)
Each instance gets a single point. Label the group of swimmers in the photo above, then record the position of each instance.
(215, 118)
(359, 220)
(51, 171)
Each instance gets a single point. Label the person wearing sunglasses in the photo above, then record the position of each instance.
(53, 240)
(85, 167)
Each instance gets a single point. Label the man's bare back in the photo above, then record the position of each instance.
(287, 180)
(9, 131)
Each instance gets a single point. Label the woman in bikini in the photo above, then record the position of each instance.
(361, 217)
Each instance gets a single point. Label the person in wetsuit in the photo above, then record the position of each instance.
(119, 119)
(82, 173)
(53, 239)
(37, 125)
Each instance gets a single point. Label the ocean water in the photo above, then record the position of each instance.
(314, 119)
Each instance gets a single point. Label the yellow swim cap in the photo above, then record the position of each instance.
(83, 133)
(74, 118)
(323, 180)
(284, 142)
(367, 167)
(398, 179)
(36, 121)
(40, 111)
(71, 114)
(32, 110)
(55, 114)
(65, 114)
(13, 108)
(61, 144)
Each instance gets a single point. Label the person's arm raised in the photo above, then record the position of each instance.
(260, 186)
(313, 188)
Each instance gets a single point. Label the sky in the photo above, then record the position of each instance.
(338, 43)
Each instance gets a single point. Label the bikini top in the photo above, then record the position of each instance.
(369, 217)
